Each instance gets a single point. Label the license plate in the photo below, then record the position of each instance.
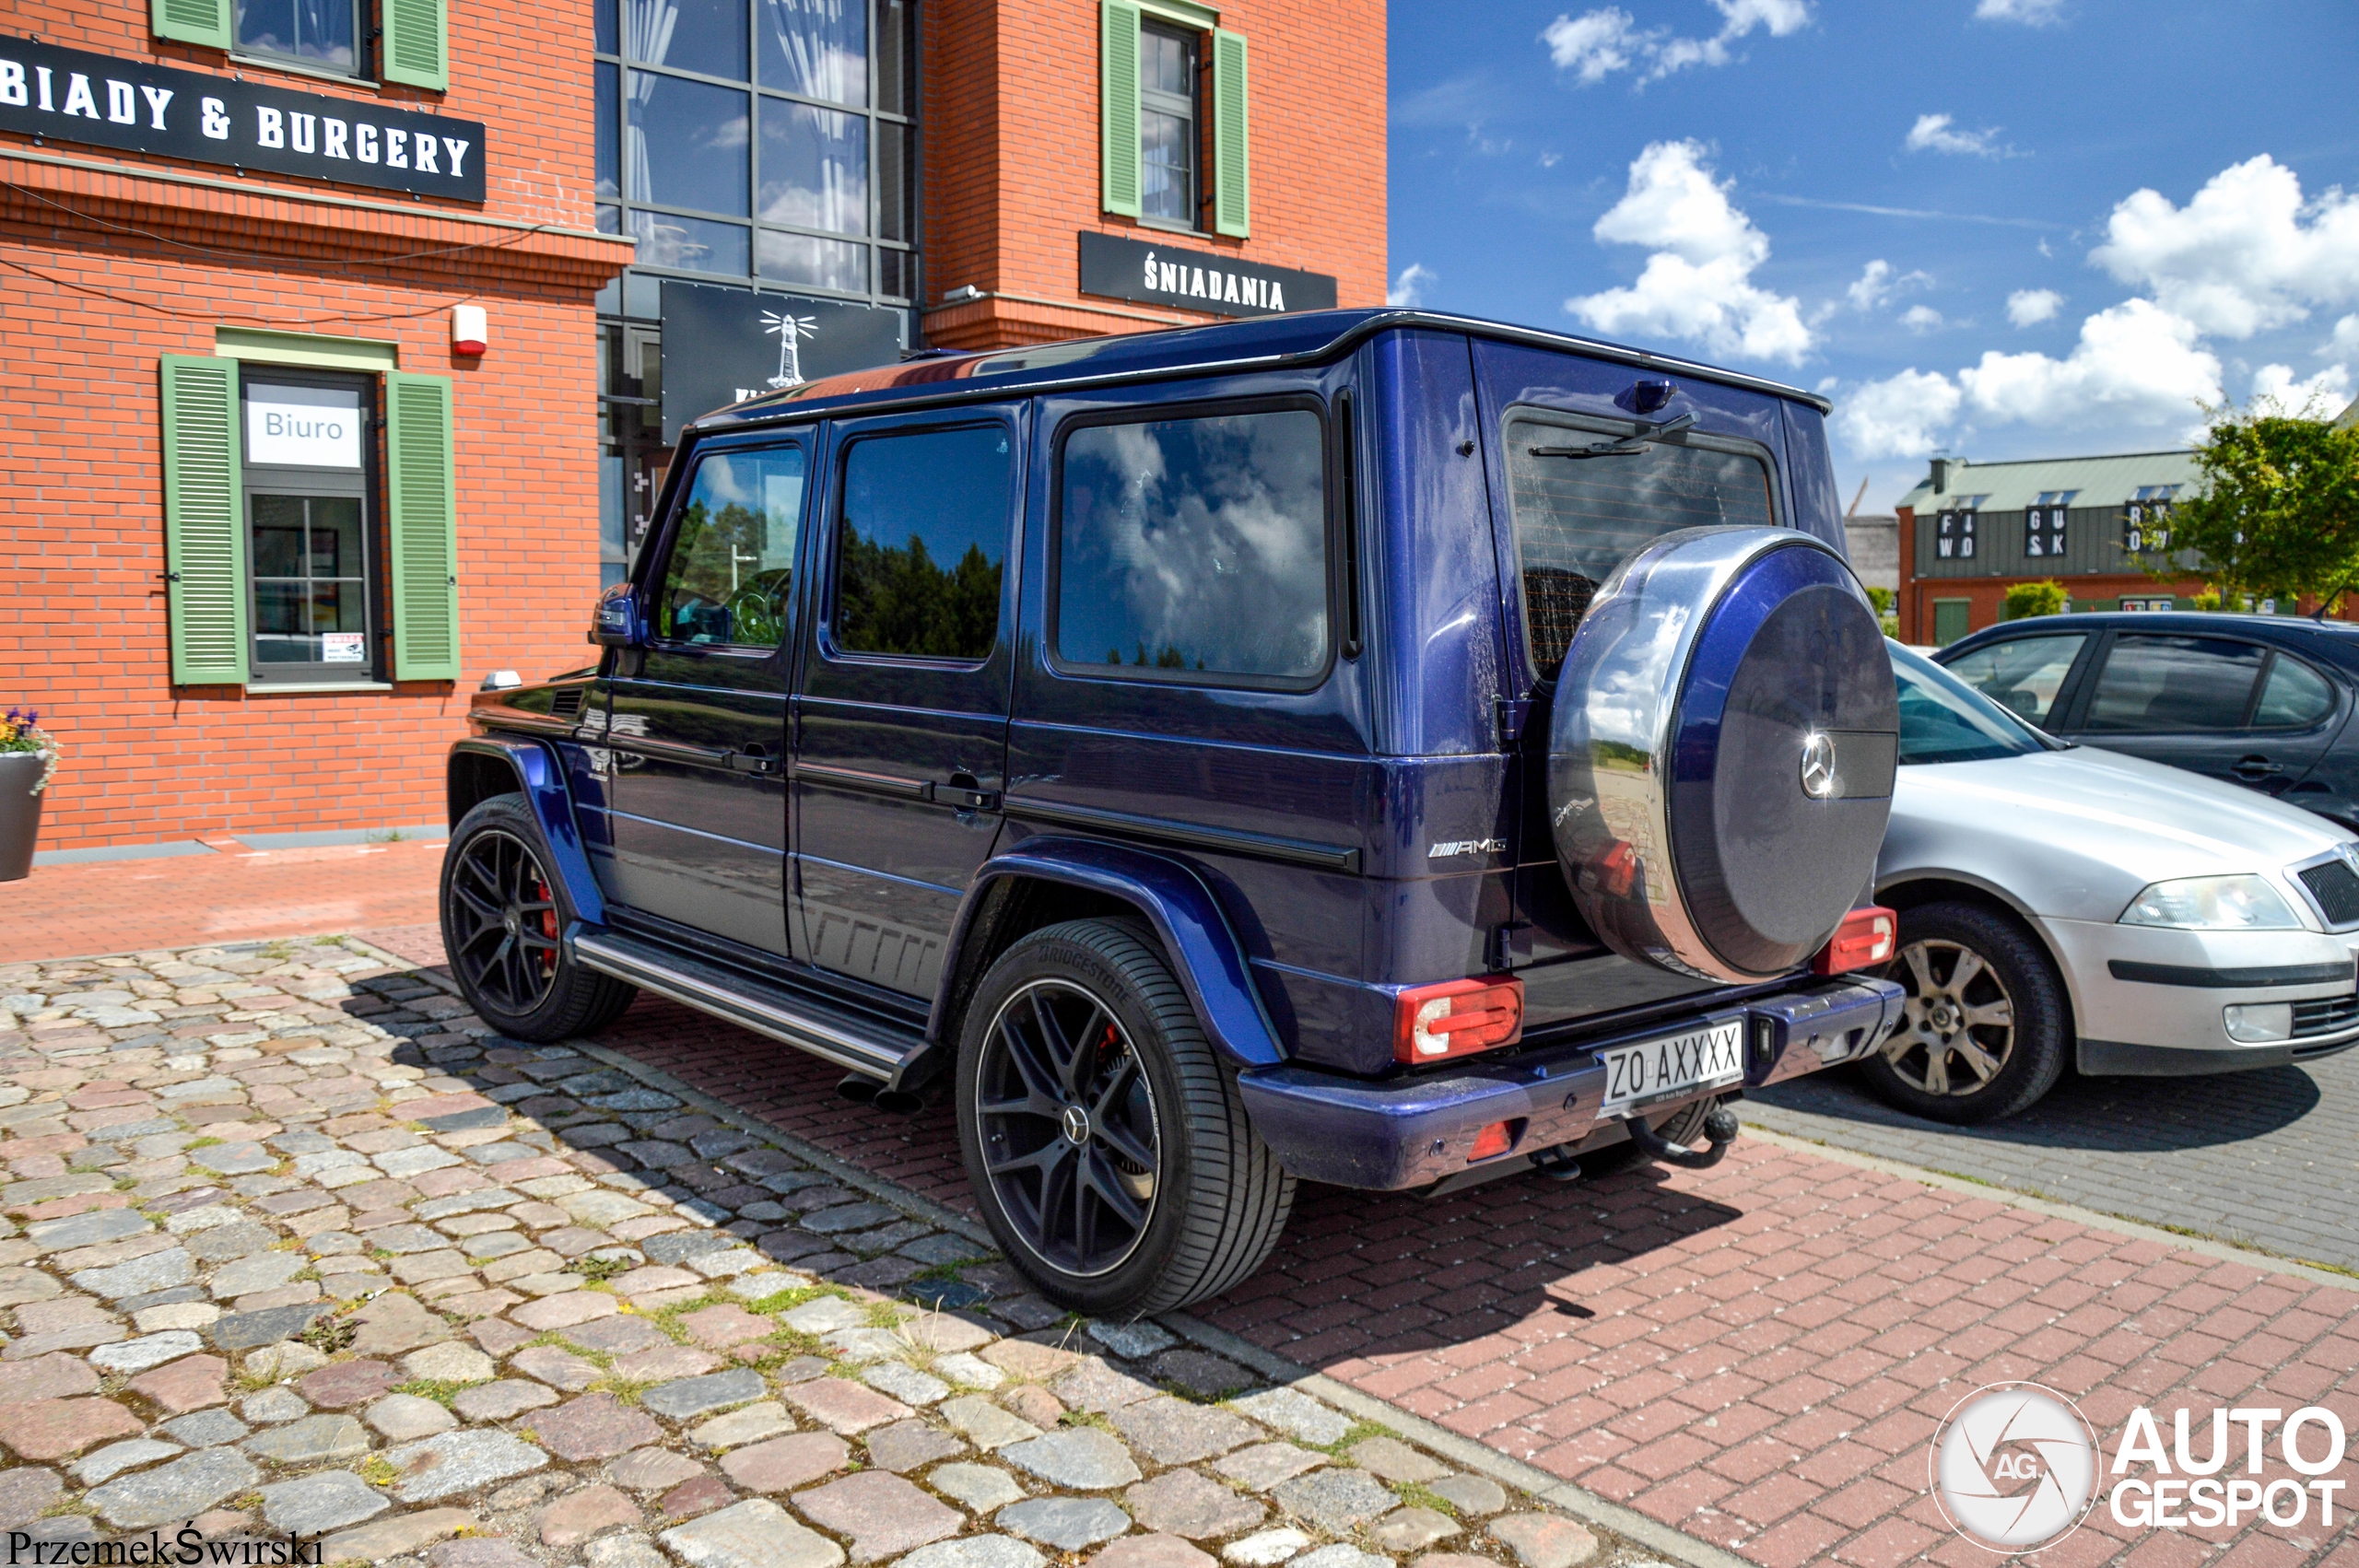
(1673, 1066)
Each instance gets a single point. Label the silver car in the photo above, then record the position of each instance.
(2057, 899)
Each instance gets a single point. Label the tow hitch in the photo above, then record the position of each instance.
(1720, 1130)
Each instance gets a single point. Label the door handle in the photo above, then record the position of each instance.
(752, 759)
(963, 791)
(2254, 768)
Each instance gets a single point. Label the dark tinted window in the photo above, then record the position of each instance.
(2167, 685)
(1196, 545)
(731, 573)
(2293, 698)
(1944, 720)
(2022, 676)
(923, 543)
(1577, 518)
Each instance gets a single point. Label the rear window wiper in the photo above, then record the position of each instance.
(1629, 446)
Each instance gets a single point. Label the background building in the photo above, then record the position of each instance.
(272, 522)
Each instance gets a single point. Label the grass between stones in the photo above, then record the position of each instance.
(437, 1389)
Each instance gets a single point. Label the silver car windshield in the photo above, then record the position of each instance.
(1943, 719)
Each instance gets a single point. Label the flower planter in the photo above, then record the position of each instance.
(20, 812)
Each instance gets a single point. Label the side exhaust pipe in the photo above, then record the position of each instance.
(1721, 1127)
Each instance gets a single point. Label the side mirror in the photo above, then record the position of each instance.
(620, 621)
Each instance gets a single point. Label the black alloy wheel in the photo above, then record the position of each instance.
(505, 920)
(1070, 1135)
(504, 916)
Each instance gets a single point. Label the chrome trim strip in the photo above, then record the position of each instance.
(603, 953)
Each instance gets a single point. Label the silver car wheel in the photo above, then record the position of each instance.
(1958, 1016)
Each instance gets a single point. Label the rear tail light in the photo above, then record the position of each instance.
(1492, 1142)
(1457, 1018)
(1864, 937)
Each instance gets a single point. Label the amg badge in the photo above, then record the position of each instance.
(1454, 847)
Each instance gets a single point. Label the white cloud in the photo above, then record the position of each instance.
(2031, 13)
(2247, 254)
(2323, 395)
(1409, 287)
(1596, 44)
(1877, 282)
(1899, 416)
(2029, 307)
(2344, 343)
(1938, 133)
(1698, 285)
(2135, 363)
(1920, 318)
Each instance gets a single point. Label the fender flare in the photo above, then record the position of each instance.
(541, 780)
(1205, 954)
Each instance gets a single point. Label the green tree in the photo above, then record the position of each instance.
(899, 600)
(2279, 509)
(2028, 599)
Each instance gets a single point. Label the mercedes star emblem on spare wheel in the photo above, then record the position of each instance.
(1818, 765)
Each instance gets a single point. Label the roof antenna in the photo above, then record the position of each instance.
(1853, 510)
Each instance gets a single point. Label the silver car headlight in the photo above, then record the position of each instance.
(2211, 904)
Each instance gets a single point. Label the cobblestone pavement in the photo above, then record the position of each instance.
(1757, 1354)
(2264, 1159)
(295, 1246)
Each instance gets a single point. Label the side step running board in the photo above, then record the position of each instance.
(849, 1040)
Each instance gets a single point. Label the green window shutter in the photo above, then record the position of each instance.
(1232, 157)
(425, 527)
(192, 21)
(1117, 23)
(204, 531)
(417, 43)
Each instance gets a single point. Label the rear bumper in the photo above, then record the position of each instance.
(1403, 1132)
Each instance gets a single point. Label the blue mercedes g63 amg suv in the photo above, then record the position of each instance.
(1367, 747)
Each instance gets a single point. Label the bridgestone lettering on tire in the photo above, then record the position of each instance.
(1160, 1194)
(504, 913)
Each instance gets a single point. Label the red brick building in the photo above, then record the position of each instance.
(274, 516)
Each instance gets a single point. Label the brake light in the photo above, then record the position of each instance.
(1864, 937)
(1457, 1018)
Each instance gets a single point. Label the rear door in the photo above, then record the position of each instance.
(902, 719)
(2226, 706)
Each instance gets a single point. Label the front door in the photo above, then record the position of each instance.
(2221, 705)
(697, 725)
(903, 715)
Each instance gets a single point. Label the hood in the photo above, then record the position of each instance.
(2073, 834)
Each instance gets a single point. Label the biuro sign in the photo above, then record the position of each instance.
(68, 95)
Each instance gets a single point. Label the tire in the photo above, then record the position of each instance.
(1683, 1127)
(1119, 1172)
(503, 915)
(1980, 1048)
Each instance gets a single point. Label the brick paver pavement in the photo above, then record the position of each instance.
(2261, 1159)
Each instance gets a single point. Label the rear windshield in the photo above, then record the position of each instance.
(1577, 518)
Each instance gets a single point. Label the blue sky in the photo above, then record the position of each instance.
(1999, 227)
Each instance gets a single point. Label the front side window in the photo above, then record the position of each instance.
(1167, 124)
(921, 543)
(2024, 675)
(1578, 518)
(2174, 686)
(322, 34)
(730, 577)
(1195, 547)
(310, 527)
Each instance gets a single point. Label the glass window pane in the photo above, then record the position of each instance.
(816, 48)
(893, 181)
(608, 39)
(2295, 697)
(815, 168)
(336, 537)
(280, 610)
(318, 32)
(1577, 519)
(2174, 686)
(731, 575)
(1943, 720)
(705, 36)
(610, 220)
(609, 133)
(688, 144)
(924, 540)
(1168, 146)
(1163, 63)
(278, 536)
(688, 244)
(1195, 544)
(894, 36)
(2022, 677)
(822, 263)
(896, 274)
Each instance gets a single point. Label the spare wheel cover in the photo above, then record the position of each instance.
(1721, 752)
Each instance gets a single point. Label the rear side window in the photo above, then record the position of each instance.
(921, 543)
(2174, 686)
(1195, 547)
(2022, 676)
(2293, 698)
(1577, 518)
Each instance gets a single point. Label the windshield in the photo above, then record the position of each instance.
(1943, 719)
